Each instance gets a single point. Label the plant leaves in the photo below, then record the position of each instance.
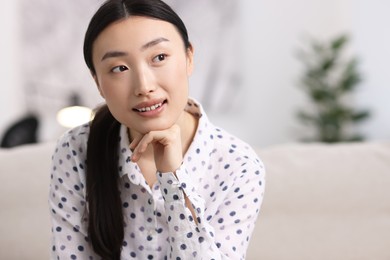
(339, 42)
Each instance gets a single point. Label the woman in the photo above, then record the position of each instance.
(150, 177)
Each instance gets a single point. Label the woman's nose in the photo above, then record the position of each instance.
(143, 82)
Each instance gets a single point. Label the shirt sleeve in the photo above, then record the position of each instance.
(67, 203)
(226, 234)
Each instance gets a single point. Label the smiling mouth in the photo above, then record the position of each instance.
(150, 108)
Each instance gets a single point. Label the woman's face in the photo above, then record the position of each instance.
(142, 71)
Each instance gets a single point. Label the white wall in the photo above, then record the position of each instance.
(12, 103)
(272, 31)
(370, 27)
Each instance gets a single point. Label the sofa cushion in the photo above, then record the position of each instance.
(325, 202)
(24, 214)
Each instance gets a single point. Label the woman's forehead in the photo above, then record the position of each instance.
(137, 31)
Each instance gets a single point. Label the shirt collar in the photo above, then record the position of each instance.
(198, 154)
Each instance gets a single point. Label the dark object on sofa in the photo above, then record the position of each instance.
(21, 132)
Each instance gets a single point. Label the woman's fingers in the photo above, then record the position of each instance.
(135, 142)
(134, 147)
(140, 146)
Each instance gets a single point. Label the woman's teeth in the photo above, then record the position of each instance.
(151, 108)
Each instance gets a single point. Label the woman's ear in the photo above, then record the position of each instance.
(190, 60)
(94, 76)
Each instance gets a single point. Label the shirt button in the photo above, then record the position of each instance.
(150, 201)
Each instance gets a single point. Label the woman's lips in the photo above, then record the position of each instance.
(150, 108)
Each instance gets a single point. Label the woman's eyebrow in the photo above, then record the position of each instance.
(153, 43)
(113, 54)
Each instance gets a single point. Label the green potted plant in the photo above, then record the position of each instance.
(328, 80)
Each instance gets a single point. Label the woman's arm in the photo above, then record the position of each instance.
(224, 235)
(67, 202)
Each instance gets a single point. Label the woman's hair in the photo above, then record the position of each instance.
(104, 205)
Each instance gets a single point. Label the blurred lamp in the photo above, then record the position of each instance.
(75, 114)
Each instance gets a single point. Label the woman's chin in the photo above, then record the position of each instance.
(155, 127)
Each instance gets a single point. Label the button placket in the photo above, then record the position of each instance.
(150, 217)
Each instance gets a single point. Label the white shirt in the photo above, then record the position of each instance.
(221, 175)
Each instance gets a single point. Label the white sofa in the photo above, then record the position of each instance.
(321, 202)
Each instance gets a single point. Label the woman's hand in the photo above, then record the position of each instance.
(167, 148)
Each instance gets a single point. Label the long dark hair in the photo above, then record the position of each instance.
(104, 205)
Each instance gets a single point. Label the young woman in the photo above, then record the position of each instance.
(150, 177)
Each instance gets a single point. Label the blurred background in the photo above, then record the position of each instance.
(247, 72)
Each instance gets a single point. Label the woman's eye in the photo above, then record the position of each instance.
(159, 58)
(118, 69)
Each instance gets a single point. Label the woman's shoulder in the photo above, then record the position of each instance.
(76, 137)
(231, 145)
(237, 156)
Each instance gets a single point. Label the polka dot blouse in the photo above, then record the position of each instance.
(220, 174)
